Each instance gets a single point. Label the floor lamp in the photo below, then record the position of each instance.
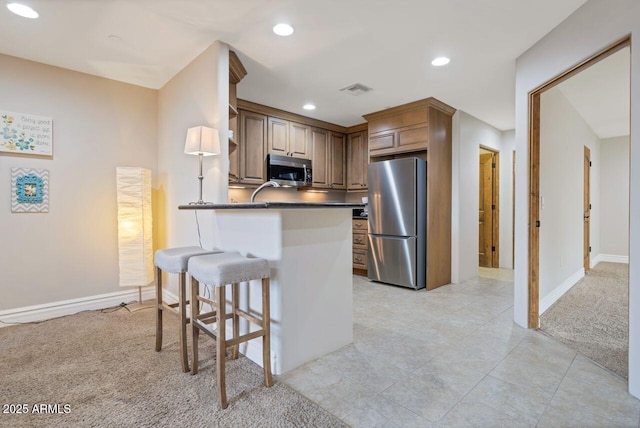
(135, 240)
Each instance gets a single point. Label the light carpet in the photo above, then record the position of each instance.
(593, 317)
(103, 365)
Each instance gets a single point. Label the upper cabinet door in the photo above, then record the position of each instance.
(357, 161)
(278, 136)
(338, 161)
(320, 158)
(253, 136)
(299, 141)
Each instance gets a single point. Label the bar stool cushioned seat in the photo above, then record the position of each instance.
(227, 268)
(175, 260)
(219, 270)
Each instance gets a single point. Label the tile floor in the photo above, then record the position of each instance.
(452, 357)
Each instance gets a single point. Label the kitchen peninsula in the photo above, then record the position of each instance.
(308, 246)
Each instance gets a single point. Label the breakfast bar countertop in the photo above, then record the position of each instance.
(271, 205)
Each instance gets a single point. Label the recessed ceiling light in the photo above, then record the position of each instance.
(283, 30)
(309, 107)
(22, 10)
(440, 61)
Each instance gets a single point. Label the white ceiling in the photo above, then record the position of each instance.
(600, 94)
(386, 45)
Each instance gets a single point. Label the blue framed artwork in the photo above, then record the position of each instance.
(26, 134)
(29, 190)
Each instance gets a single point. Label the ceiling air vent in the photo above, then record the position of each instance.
(356, 89)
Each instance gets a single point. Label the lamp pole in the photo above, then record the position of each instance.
(200, 177)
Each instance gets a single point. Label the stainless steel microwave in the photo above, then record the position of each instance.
(288, 171)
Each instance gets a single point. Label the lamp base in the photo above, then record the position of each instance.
(137, 306)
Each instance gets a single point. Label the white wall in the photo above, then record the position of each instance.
(568, 44)
(469, 134)
(506, 198)
(614, 196)
(198, 95)
(563, 136)
(98, 125)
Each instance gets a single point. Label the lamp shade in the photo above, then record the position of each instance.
(135, 241)
(202, 140)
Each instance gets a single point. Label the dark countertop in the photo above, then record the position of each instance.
(272, 205)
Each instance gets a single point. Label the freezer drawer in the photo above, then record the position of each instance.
(394, 260)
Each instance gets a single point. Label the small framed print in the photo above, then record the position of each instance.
(29, 190)
(26, 134)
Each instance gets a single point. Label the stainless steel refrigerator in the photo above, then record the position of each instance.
(398, 222)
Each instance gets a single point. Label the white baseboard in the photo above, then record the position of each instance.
(611, 258)
(68, 307)
(559, 291)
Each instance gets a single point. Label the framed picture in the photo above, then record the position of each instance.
(26, 134)
(29, 190)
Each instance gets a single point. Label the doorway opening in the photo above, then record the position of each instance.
(584, 225)
(489, 209)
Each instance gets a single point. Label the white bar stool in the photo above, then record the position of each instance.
(174, 260)
(219, 271)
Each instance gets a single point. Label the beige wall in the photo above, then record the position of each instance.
(563, 136)
(198, 95)
(98, 125)
(614, 196)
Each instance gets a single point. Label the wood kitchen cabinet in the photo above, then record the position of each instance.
(422, 129)
(338, 166)
(357, 161)
(320, 157)
(287, 138)
(253, 143)
(237, 72)
(289, 134)
(360, 230)
(299, 143)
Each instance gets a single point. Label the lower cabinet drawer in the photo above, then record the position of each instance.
(360, 259)
(359, 241)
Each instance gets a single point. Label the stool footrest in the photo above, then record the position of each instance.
(207, 301)
(211, 317)
(173, 307)
(244, 338)
(232, 342)
(249, 317)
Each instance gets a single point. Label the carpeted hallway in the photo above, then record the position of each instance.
(593, 317)
(104, 366)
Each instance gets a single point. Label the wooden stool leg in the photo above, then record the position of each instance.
(195, 331)
(158, 309)
(182, 309)
(266, 339)
(221, 345)
(236, 318)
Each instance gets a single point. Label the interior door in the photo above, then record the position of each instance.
(485, 214)
(587, 207)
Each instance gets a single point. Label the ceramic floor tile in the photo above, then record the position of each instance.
(587, 385)
(510, 398)
(340, 398)
(423, 395)
(537, 363)
(459, 378)
(482, 357)
(568, 415)
(472, 414)
(499, 274)
(416, 354)
(393, 415)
